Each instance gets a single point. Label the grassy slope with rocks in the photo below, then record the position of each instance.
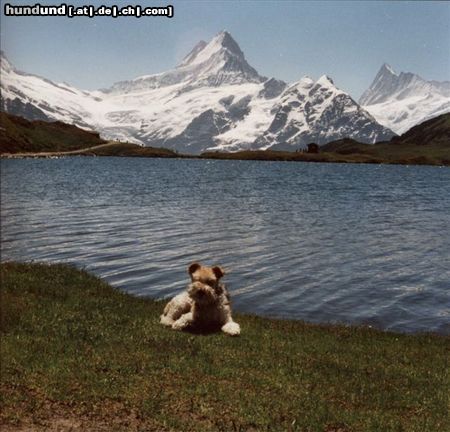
(79, 355)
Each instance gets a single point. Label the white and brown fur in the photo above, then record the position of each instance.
(205, 305)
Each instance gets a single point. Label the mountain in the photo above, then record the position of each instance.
(220, 62)
(425, 144)
(400, 101)
(37, 98)
(213, 100)
(318, 112)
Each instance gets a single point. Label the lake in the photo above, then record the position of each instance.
(354, 244)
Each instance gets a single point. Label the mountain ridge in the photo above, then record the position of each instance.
(213, 100)
(424, 144)
(402, 100)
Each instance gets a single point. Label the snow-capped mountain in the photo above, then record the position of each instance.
(37, 98)
(318, 112)
(212, 100)
(221, 62)
(400, 101)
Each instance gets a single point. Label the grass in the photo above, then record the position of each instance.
(131, 150)
(79, 355)
(275, 155)
(405, 153)
(18, 135)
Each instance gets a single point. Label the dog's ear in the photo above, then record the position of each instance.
(218, 271)
(193, 267)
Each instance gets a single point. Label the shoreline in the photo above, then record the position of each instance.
(427, 143)
(269, 317)
(256, 155)
(138, 375)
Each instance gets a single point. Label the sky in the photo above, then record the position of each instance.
(348, 41)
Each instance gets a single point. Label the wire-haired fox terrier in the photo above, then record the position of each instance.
(204, 306)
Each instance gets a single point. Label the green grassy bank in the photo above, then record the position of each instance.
(19, 135)
(79, 355)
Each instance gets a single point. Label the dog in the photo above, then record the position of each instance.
(204, 306)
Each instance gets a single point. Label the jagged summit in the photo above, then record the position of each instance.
(203, 51)
(387, 69)
(384, 84)
(192, 54)
(388, 83)
(326, 81)
(219, 62)
(226, 41)
(221, 55)
(401, 100)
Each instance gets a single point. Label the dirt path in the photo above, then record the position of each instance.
(60, 153)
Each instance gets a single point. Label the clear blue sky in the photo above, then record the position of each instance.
(348, 41)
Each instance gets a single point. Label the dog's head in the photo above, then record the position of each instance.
(206, 275)
(201, 293)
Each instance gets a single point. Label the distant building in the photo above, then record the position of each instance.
(313, 148)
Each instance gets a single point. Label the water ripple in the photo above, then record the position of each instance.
(319, 242)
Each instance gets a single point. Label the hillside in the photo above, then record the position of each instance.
(426, 143)
(19, 135)
(431, 132)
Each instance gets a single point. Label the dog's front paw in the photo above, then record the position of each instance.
(177, 325)
(183, 322)
(232, 328)
(166, 320)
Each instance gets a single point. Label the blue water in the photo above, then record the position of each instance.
(343, 243)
